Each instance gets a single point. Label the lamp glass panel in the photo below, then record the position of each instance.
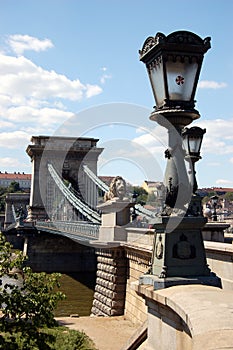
(214, 199)
(181, 77)
(194, 144)
(185, 144)
(157, 82)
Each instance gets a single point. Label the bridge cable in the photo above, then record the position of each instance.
(84, 209)
(96, 179)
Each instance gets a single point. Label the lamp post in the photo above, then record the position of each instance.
(173, 64)
(214, 200)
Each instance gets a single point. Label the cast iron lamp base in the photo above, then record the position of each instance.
(179, 254)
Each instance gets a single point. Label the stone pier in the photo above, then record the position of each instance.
(67, 155)
(110, 289)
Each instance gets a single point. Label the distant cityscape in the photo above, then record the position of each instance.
(155, 188)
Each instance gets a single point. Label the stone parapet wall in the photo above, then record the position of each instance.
(214, 231)
(109, 296)
(139, 258)
(190, 317)
(219, 258)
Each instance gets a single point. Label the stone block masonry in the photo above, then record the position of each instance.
(52, 253)
(139, 259)
(111, 276)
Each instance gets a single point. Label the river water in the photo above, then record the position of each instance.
(79, 291)
(78, 288)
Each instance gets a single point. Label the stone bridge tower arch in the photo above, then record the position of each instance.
(67, 155)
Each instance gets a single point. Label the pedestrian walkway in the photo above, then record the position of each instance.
(108, 333)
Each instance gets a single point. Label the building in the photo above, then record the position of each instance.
(220, 191)
(149, 186)
(24, 180)
(155, 187)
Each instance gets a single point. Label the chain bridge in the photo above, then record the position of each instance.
(67, 199)
(65, 189)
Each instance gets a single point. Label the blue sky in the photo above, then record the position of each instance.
(72, 62)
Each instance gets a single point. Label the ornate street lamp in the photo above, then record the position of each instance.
(173, 63)
(214, 201)
(192, 140)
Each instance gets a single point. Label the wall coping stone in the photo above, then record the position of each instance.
(219, 247)
(206, 310)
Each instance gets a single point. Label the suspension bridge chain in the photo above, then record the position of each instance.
(95, 179)
(139, 208)
(78, 204)
(13, 211)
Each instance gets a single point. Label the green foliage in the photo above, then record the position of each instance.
(142, 194)
(229, 196)
(205, 199)
(57, 338)
(13, 187)
(27, 299)
(9, 260)
(151, 198)
(31, 300)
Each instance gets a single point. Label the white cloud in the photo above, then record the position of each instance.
(218, 137)
(20, 43)
(157, 138)
(5, 124)
(46, 116)
(14, 140)
(208, 84)
(140, 130)
(10, 162)
(92, 90)
(224, 182)
(31, 93)
(21, 78)
(105, 76)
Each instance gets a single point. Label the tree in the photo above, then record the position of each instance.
(229, 196)
(151, 198)
(27, 302)
(13, 187)
(28, 297)
(141, 193)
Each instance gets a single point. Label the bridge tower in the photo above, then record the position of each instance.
(67, 155)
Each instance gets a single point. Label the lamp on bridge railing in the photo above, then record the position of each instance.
(214, 201)
(173, 64)
(192, 140)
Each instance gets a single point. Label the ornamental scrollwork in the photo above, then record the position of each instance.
(185, 38)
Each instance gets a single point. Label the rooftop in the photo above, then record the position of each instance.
(14, 176)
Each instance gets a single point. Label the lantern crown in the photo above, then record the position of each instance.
(179, 41)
